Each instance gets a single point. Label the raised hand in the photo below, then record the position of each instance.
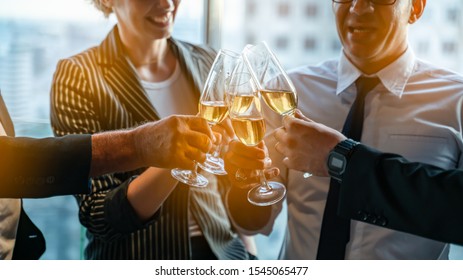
(175, 141)
(306, 144)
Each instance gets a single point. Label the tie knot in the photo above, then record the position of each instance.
(365, 85)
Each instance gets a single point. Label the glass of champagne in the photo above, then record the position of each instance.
(248, 123)
(213, 106)
(273, 83)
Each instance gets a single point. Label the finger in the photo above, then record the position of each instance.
(200, 125)
(271, 173)
(234, 161)
(218, 137)
(250, 178)
(299, 115)
(184, 162)
(240, 149)
(227, 126)
(198, 140)
(195, 155)
(279, 148)
(245, 179)
(280, 134)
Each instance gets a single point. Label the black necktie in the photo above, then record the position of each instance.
(335, 231)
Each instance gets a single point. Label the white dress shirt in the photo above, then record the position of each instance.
(10, 209)
(416, 112)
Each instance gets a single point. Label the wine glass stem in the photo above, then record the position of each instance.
(216, 152)
(263, 181)
(195, 169)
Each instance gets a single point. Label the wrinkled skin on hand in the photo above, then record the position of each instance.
(306, 144)
(175, 141)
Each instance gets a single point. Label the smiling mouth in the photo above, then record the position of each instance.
(360, 30)
(161, 19)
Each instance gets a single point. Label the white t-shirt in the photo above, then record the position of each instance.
(10, 209)
(172, 96)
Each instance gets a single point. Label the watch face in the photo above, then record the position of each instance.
(337, 163)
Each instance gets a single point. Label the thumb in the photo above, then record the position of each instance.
(298, 114)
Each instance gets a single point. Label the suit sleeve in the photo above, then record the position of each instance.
(387, 190)
(106, 212)
(36, 168)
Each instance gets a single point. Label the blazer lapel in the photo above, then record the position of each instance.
(189, 65)
(121, 76)
(5, 118)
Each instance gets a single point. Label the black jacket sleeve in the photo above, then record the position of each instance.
(387, 190)
(36, 168)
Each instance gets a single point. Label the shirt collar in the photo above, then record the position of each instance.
(394, 77)
(2, 130)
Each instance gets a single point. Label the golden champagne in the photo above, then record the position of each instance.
(213, 111)
(241, 103)
(282, 102)
(250, 131)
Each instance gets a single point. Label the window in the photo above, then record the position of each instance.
(283, 9)
(453, 15)
(423, 47)
(335, 45)
(449, 48)
(250, 38)
(311, 10)
(281, 43)
(310, 44)
(250, 8)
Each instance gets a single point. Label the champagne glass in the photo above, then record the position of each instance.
(274, 85)
(248, 123)
(213, 106)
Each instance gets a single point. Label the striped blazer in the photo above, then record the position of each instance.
(99, 90)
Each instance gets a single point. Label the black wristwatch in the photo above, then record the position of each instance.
(338, 158)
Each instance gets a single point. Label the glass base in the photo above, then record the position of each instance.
(213, 165)
(261, 196)
(189, 178)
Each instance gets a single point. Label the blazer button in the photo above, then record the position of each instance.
(371, 219)
(382, 221)
(50, 180)
(362, 215)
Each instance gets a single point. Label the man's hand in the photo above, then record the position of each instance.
(306, 144)
(175, 141)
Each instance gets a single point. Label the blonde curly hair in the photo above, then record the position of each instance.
(100, 6)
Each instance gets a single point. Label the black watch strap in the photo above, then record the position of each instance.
(339, 157)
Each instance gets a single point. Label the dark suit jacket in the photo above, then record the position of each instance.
(40, 168)
(387, 190)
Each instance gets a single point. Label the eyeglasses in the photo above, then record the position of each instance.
(376, 2)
